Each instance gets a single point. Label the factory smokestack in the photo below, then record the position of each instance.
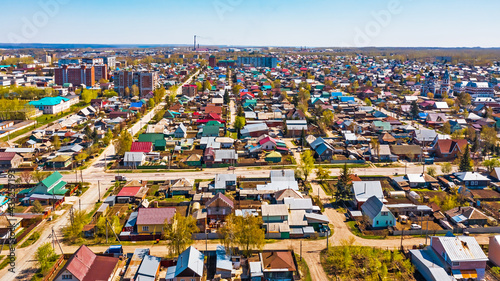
(194, 46)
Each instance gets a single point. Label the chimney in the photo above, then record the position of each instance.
(365, 188)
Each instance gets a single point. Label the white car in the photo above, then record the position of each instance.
(415, 226)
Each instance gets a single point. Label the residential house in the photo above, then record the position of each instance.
(144, 147)
(218, 207)
(59, 162)
(152, 220)
(473, 180)
(84, 265)
(181, 186)
(381, 126)
(149, 268)
(254, 130)
(461, 256)
(296, 127)
(10, 160)
(467, 216)
(363, 190)
(323, 150)
(193, 160)
(180, 132)
(378, 214)
(446, 149)
(132, 191)
(424, 136)
(275, 218)
(48, 191)
(190, 267)
(278, 265)
(494, 250)
(222, 183)
(409, 152)
(421, 180)
(134, 159)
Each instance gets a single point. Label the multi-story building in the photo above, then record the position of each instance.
(92, 61)
(212, 61)
(109, 61)
(270, 62)
(189, 90)
(101, 72)
(68, 61)
(76, 75)
(145, 81)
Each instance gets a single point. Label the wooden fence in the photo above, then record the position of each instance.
(53, 270)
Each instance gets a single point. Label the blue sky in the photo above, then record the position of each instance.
(355, 23)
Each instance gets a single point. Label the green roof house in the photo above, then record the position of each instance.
(273, 157)
(52, 185)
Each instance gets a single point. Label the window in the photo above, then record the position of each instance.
(66, 277)
(455, 263)
(145, 228)
(377, 223)
(384, 213)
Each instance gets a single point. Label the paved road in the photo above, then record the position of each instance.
(94, 174)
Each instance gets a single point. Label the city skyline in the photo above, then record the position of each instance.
(392, 23)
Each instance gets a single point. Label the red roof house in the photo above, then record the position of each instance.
(141, 146)
(84, 265)
(152, 220)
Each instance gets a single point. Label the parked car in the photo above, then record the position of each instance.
(415, 226)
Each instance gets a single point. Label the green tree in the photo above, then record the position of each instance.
(178, 232)
(327, 117)
(81, 156)
(108, 137)
(344, 185)
(446, 167)
(88, 95)
(414, 110)
(45, 256)
(491, 164)
(239, 123)
(446, 128)
(39, 176)
(368, 102)
(73, 231)
(431, 171)
(243, 231)
(37, 207)
(376, 146)
(307, 165)
(123, 143)
(56, 142)
(240, 112)
(465, 161)
(322, 174)
(226, 97)
(135, 90)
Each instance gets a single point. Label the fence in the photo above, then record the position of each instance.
(478, 230)
(53, 270)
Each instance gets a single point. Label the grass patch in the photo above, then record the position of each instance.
(355, 230)
(5, 263)
(303, 269)
(31, 240)
(338, 166)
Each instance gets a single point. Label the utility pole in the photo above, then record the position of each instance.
(301, 249)
(99, 189)
(80, 204)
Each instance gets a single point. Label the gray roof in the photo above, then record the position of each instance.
(373, 206)
(366, 189)
(222, 179)
(274, 210)
(133, 156)
(299, 204)
(191, 258)
(254, 128)
(224, 154)
(425, 258)
(462, 248)
(425, 135)
(282, 175)
(148, 268)
(223, 260)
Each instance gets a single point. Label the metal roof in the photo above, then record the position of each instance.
(462, 248)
